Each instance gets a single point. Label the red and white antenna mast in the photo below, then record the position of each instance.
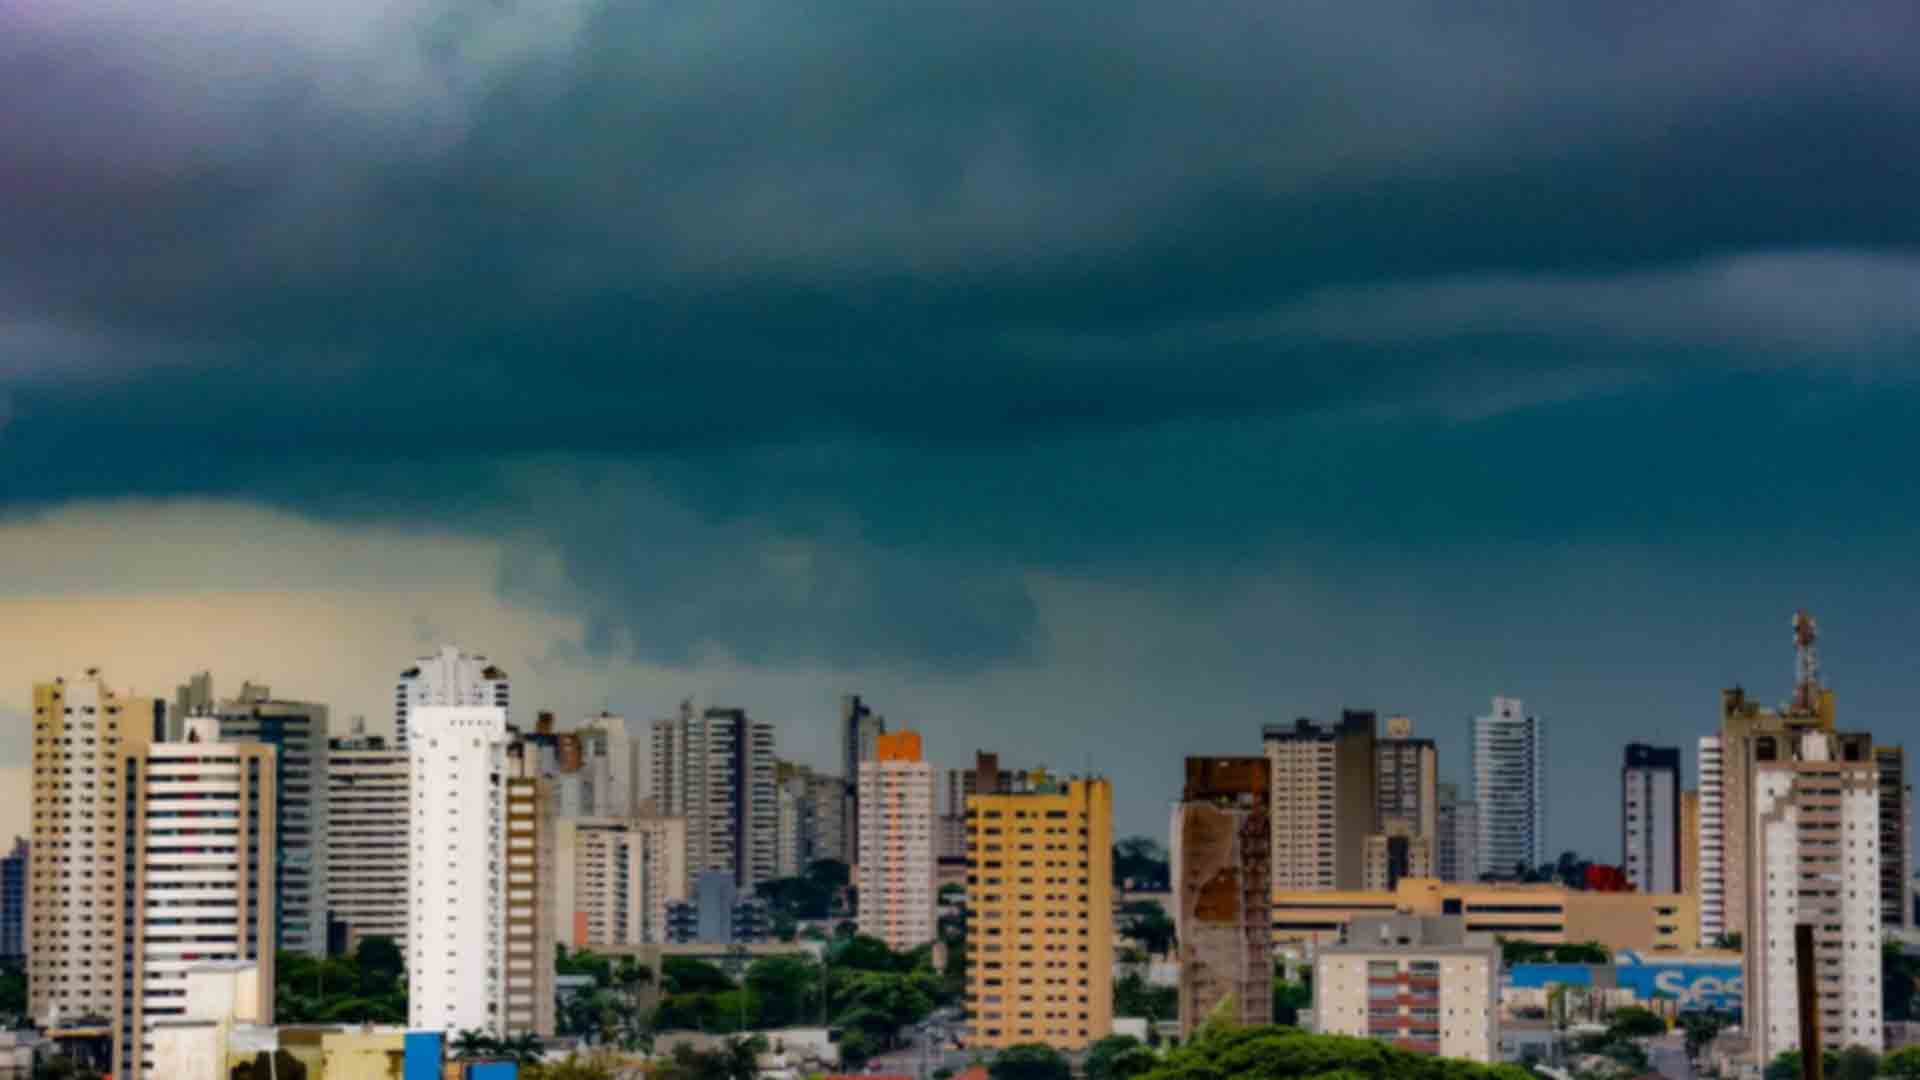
(1806, 663)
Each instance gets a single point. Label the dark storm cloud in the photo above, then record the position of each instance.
(869, 308)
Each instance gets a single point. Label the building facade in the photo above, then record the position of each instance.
(1509, 773)
(456, 901)
(1896, 825)
(1650, 818)
(1455, 844)
(714, 768)
(1395, 854)
(367, 837)
(297, 730)
(1419, 983)
(527, 896)
(614, 879)
(596, 769)
(1711, 868)
(1543, 914)
(448, 677)
(860, 728)
(896, 842)
(1815, 823)
(1323, 802)
(198, 848)
(1690, 841)
(1040, 909)
(80, 730)
(1407, 780)
(1223, 889)
(811, 806)
(13, 902)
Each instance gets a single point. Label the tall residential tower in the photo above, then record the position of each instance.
(1650, 818)
(1509, 789)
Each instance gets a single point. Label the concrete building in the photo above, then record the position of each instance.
(191, 698)
(1223, 888)
(1814, 825)
(985, 778)
(527, 896)
(1650, 818)
(456, 899)
(297, 730)
(1407, 780)
(718, 914)
(614, 879)
(80, 730)
(1041, 914)
(197, 862)
(1417, 982)
(811, 806)
(448, 677)
(1455, 846)
(1545, 914)
(1710, 870)
(13, 902)
(1690, 842)
(1509, 788)
(220, 1001)
(896, 841)
(860, 727)
(1896, 825)
(596, 769)
(1394, 854)
(1323, 804)
(714, 768)
(367, 831)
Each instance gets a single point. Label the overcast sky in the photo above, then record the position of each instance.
(1093, 383)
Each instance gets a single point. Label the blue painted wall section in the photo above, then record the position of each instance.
(1694, 984)
(422, 1055)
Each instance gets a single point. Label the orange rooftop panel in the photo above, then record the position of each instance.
(898, 746)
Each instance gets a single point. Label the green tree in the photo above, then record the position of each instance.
(1854, 1063)
(1100, 1056)
(1899, 979)
(474, 1043)
(1030, 1061)
(1903, 1063)
(1147, 922)
(1585, 952)
(1140, 863)
(1134, 996)
(1634, 1022)
(856, 1049)
(1729, 941)
(1289, 998)
(1702, 1027)
(685, 975)
(1276, 1053)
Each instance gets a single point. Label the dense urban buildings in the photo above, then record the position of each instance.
(1418, 982)
(1223, 889)
(1509, 790)
(985, 777)
(456, 902)
(595, 769)
(1814, 822)
(896, 842)
(812, 806)
(448, 677)
(1457, 839)
(75, 910)
(1040, 909)
(367, 783)
(1650, 818)
(1540, 913)
(1406, 810)
(1323, 801)
(297, 730)
(13, 902)
(860, 727)
(198, 862)
(714, 768)
(614, 879)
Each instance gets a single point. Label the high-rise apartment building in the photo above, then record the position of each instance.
(13, 902)
(75, 894)
(448, 677)
(896, 843)
(527, 896)
(1040, 910)
(810, 807)
(1456, 841)
(1896, 824)
(1650, 818)
(456, 900)
(1689, 842)
(596, 769)
(860, 727)
(367, 837)
(191, 698)
(985, 778)
(1417, 982)
(1407, 772)
(715, 768)
(1323, 803)
(614, 879)
(1814, 821)
(1710, 874)
(297, 730)
(1395, 853)
(1221, 845)
(1509, 789)
(197, 852)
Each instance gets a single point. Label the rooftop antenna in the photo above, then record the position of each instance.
(1806, 662)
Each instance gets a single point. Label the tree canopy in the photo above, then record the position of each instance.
(1277, 1053)
(1030, 1061)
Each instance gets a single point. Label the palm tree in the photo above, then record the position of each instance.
(474, 1043)
(524, 1048)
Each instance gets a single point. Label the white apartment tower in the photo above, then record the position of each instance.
(367, 836)
(1509, 789)
(297, 730)
(80, 729)
(1650, 818)
(715, 768)
(448, 677)
(1713, 841)
(198, 867)
(1815, 827)
(456, 902)
(896, 843)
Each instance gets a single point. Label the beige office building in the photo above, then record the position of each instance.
(1323, 804)
(527, 972)
(198, 868)
(80, 729)
(367, 783)
(1546, 914)
(1040, 905)
(1419, 983)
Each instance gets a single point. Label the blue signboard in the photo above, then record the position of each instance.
(1692, 984)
